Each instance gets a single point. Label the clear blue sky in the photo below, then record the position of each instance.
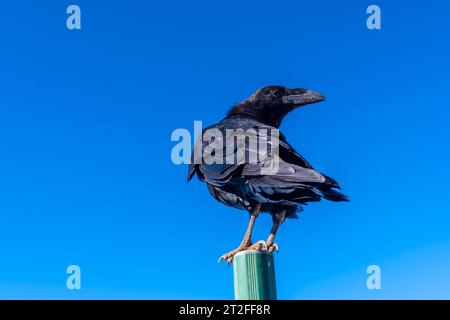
(86, 116)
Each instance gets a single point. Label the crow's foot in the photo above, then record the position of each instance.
(272, 247)
(228, 257)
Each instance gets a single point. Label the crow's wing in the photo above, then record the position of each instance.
(248, 158)
(292, 181)
(229, 156)
(290, 184)
(290, 155)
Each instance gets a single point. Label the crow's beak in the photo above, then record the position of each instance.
(300, 97)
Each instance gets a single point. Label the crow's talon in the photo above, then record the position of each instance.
(260, 245)
(228, 257)
(273, 247)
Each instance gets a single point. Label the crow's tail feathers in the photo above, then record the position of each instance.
(332, 194)
(328, 190)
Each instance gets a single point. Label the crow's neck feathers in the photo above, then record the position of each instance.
(248, 109)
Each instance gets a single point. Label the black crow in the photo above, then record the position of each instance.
(277, 180)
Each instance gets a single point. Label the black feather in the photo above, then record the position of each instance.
(241, 185)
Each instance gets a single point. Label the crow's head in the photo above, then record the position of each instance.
(272, 97)
(270, 104)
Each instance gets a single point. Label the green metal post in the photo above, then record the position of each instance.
(254, 276)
